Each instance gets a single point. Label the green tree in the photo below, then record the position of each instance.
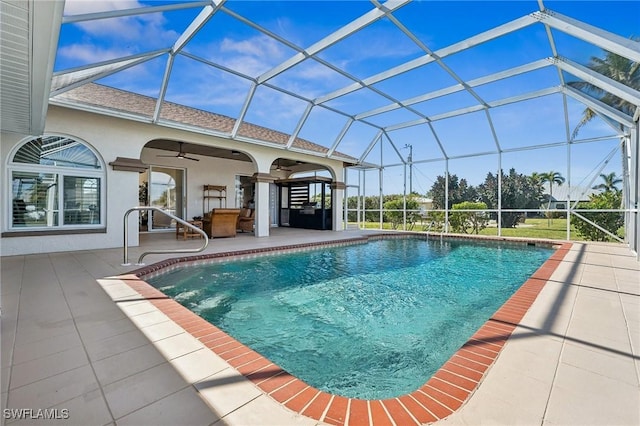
(610, 221)
(371, 205)
(468, 222)
(459, 191)
(536, 178)
(617, 68)
(394, 212)
(620, 69)
(518, 192)
(611, 182)
(551, 178)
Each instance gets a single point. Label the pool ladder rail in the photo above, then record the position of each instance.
(167, 251)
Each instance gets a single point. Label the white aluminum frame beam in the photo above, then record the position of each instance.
(598, 106)
(603, 82)
(198, 22)
(301, 122)
(343, 132)
(342, 33)
(608, 41)
(66, 80)
(418, 62)
(532, 66)
(373, 143)
(526, 96)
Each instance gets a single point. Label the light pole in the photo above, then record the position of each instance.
(410, 160)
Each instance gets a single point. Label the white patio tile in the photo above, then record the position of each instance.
(41, 368)
(149, 318)
(492, 411)
(266, 412)
(178, 345)
(226, 391)
(532, 356)
(102, 348)
(507, 384)
(101, 330)
(162, 330)
(606, 363)
(54, 390)
(182, 408)
(580, 397)
(4, 379)
(117, 289)
(127, 363)
(32, 331)
(133, 308)
(46, 346)
(134, 392)
(87, 409)
(198, 365)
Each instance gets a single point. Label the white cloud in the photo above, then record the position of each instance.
(129, 28)
(252, 56)
(76, 7)
(89, 53)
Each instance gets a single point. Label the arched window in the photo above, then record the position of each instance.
(56, 182)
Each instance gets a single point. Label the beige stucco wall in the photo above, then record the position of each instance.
(113, 137)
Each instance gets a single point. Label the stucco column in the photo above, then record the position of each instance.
(262, 181)
(337, 213)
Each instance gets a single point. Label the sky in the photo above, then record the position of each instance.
(226, 40)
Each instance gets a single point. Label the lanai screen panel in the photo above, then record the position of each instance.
(473, 78)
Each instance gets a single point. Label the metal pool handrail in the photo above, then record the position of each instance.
(177, 219)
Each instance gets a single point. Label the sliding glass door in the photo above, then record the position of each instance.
(166, 190)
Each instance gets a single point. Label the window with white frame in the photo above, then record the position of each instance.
(56, 182)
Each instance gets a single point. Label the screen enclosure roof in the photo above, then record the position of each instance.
(338, 78)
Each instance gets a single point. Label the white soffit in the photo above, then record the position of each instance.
(29, 38)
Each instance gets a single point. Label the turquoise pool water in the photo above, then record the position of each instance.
(369, 321)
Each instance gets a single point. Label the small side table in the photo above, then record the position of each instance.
(187, 232)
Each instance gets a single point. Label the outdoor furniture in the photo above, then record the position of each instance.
(246, 219)
(221, 223)
(188, 232)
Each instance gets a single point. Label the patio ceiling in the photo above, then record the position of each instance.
(343, 89)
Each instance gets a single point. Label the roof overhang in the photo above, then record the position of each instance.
(27, 54)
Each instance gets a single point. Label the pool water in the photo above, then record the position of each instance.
(369, 321)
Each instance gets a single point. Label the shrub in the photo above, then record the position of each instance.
(394, 212)
(611, 221)
(467, 222)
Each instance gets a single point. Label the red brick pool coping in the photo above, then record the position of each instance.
(445, 392)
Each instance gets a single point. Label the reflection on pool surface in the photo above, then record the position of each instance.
(368, 321)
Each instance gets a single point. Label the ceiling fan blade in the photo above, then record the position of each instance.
(189, 158)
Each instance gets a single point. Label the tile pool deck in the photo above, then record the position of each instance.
(572, 358)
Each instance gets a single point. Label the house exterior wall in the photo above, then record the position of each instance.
(113, 137)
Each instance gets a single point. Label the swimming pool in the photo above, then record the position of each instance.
(368, 321)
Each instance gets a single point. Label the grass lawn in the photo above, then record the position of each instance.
(555, 229)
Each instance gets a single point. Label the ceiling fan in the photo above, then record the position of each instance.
(181, 154)
(278, 167)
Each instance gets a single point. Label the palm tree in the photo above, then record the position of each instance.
(622, 70)
(551, 177)
(610, 183)
(617, 68)
(536, 178)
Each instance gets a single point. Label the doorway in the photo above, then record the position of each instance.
(161, 187)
